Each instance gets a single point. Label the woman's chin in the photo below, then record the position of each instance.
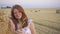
(18, 18)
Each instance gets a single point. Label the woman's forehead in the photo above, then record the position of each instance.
(16, 9)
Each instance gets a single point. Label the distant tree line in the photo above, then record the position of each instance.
(6, 7)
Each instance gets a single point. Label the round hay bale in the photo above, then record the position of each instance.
(4, 24)
(36, 11)
(57, 11)
(39, 10)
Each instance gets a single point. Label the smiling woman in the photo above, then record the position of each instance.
(20, 23)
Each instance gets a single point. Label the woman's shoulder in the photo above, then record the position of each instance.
(30, 20)
(10, 19)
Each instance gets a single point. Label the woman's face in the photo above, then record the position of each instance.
(17, 14)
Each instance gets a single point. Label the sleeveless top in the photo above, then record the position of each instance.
(26, 30)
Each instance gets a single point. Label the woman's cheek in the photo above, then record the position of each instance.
(19, 16)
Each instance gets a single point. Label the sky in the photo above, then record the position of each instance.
(32, 3)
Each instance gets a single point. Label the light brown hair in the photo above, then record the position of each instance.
(23, 19)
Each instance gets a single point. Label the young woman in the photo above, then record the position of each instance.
(20, 23)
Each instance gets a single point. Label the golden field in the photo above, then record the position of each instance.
(46, 20)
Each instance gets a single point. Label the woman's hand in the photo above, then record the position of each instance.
(19, 32)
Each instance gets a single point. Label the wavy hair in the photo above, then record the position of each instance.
(23, 19)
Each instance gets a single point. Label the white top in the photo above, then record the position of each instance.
(26, 30)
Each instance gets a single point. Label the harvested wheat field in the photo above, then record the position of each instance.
(46, 21)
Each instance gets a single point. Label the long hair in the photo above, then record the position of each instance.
(23, 19)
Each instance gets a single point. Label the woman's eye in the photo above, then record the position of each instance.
(15, 13)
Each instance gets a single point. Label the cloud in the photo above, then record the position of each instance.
(33, 3)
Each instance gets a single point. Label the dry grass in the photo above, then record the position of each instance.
(47, 21)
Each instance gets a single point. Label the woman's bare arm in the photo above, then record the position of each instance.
(12, 26)
(32, 27)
